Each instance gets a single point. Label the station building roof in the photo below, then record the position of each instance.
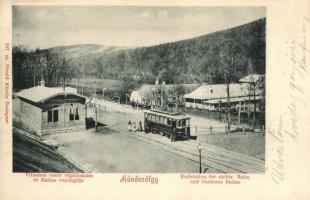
(39, 94)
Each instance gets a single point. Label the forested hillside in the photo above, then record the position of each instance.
(202, 59)
(194, 60)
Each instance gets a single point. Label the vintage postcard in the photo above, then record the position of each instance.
(154, 100)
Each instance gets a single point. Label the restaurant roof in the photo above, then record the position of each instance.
(148, 90)
(219, 91)
(252, 78)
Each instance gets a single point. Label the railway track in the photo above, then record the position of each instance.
(214, 159)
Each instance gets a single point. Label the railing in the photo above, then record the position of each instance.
(208, 130)
(244, 120)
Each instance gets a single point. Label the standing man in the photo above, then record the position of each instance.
(140, 126)
(173, 135)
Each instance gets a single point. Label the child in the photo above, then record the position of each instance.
(134, 126)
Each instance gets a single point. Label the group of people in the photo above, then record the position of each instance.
(133, 127)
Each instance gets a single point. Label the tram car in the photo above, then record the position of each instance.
(174, 125)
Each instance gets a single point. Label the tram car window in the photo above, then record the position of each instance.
(168, 121)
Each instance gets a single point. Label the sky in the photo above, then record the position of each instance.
(126, 26)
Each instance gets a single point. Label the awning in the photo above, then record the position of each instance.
(233, 99)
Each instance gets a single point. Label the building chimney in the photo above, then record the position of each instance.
(42, 82)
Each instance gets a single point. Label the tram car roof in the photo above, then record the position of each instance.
(173, 115)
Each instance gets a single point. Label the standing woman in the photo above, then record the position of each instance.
(129, 125)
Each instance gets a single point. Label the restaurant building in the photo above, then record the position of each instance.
(244, 96)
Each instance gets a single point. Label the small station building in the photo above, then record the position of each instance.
(48, 110)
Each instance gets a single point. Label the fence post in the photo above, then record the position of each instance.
(196, 130)
(243, 130)
(226, 129)
(210, 129)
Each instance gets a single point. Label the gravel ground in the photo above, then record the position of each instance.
(252, 144)
(109, 151)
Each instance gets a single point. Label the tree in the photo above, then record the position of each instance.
(256, 86)
(30, 66)
(227, 54)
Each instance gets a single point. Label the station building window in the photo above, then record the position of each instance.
(49, 116)
(71, 115)
(52, 116)
(74, 114)
(55, 115)
(77, 116)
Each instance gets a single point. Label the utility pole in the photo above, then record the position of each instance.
(96, 122)
(34, 80)
(239, 114)
(200, 161)
(228, 108)
(127, 95)
(162, 94)
(199, 147)
(254, 112)
(103, 89)
(95, 89)
(153, 96)
(82, 89)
